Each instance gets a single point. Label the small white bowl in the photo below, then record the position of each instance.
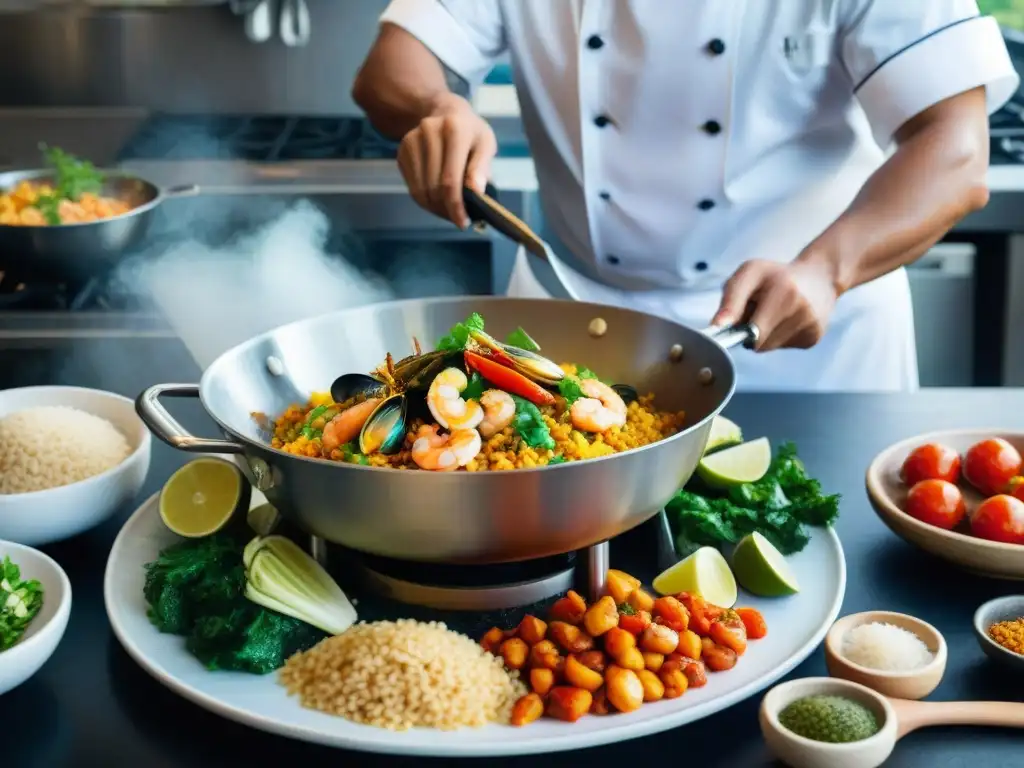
(42, 517)
(36, 646)
(1006, 608)
(799, 752)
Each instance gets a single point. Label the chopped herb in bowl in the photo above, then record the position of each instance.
(20, 601)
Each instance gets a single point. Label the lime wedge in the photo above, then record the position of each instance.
(705, 573)
(761, 569)
(723, 434)
(745, 463)
(202, 497)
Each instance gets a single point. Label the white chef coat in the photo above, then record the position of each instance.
(674, 141)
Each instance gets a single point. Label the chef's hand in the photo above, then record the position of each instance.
(451, 148)
(789, 303)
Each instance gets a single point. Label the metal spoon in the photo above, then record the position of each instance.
(294, 24)
(259, 22)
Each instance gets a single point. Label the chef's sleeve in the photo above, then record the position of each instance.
(905, 56)
(468, 36)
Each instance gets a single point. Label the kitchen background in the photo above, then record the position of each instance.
(187, 92)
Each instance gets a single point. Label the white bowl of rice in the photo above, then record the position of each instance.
(69, 458)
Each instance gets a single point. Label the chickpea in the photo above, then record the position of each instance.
(675, 682)
(624, 689)
(640, 600)
(529, 708)
(617, 641)
(492, 639)
(659, 639)
(580, 676)
(515, 651)
(600, 617)
(653, 661)
(689, 644)
(542, 680)
(595, 660)
(532, 629)
(570, 638)
(654, 689)
(545, 655)
(600, 705)
(569, 704)
(631, 659)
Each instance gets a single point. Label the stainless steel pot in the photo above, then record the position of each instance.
(80, 251)
(461, 517)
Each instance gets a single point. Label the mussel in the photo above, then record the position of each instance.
(384, 430)
(626, 392)
(350, 385)
(530, 364)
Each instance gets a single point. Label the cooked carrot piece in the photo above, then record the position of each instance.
(532, 629)
(673, 614)
(542, 680)
(754, 622)
(635, 623)
(492, 640)
(728, 631)
(529, 708)
(569, 609)
(569, 704)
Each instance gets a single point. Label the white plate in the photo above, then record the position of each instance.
(796, 626)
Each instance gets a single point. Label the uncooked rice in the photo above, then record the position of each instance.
(50, 446)
(404, 674)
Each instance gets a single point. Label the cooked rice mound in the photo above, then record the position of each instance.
(404, 674)
(51, 446)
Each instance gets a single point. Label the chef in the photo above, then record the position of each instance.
(717, 160)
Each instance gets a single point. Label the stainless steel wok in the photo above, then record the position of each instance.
(461, 517)
(80, 251)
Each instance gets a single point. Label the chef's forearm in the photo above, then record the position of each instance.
(400, 83)
(934, 179)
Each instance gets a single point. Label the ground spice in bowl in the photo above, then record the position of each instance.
(1009, 634)
(832, 719)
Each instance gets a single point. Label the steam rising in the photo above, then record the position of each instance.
(217, 297)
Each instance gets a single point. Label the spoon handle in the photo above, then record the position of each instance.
(925, 714)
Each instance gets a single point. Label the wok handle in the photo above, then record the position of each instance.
(746, 334)
(485, 209)
(167, 428)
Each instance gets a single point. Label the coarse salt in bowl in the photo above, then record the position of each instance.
(93, 489)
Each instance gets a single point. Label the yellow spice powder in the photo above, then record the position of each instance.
(1009, 634)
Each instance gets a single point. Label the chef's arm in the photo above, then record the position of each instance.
(401, 82)
(935, 177)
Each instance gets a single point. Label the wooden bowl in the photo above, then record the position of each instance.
(914, 684)
(1001, 609)
(888, 496)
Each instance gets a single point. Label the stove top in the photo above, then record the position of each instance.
(97, 294)
(268, 138)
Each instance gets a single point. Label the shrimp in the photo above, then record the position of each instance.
(440, 453)
(346, 426)
(499, 410)
(600, 410)
(446, 404)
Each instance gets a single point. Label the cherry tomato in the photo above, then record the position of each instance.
(937, 503)
(933, 461)
(1017, 487)
(1000, 518)
(991, 464)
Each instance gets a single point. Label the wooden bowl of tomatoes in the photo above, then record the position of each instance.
(958, 495)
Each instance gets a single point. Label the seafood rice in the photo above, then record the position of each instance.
(472, 403)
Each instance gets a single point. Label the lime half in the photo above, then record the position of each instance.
(761, 569)
(202, 497)
(745, 463)
(705, 573)
(723, 434)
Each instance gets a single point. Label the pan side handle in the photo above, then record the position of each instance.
(166, 427)
(746, 334)
(486, 209)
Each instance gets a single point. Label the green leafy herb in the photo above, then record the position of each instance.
(584, 373)
(72, 178)
(569, 388)
(475, 388)
(559, 459)
(529, 423)
(626, 609)
(196, 589)
(20, 601)
(316, 413)
(520, 338)
(459, 334)
(350, 453)
(780, 506)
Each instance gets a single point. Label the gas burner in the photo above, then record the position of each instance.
(19, 294)
(469, 587)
